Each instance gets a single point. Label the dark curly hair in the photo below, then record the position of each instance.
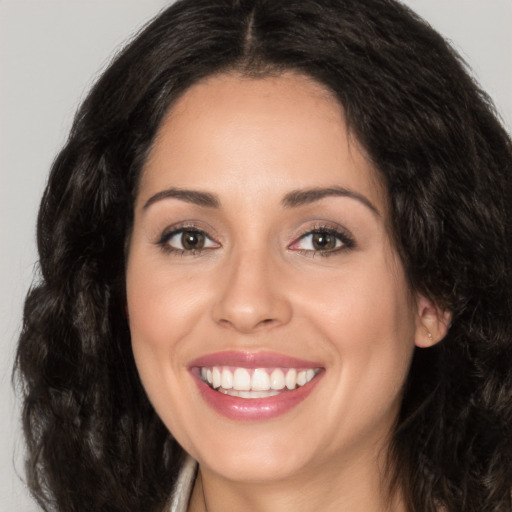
(94, 441)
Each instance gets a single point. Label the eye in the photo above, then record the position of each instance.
(187, 240)
(323, 240)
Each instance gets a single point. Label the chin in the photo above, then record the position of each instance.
(258, 459)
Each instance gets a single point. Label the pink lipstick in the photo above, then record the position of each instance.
(247, 386)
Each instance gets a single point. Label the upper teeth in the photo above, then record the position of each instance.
(257, 379)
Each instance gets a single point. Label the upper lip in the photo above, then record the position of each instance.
(252, 360)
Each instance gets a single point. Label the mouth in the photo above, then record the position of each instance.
(254, 386)
(252, 383)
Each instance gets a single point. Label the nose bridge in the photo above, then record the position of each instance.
(250, 297)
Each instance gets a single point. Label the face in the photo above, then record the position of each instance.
(271, 321)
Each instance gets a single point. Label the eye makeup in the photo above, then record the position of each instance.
(324, 240)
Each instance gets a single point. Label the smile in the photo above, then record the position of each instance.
(248, 386)
(257, 382)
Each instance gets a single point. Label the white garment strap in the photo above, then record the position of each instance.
(183, 486)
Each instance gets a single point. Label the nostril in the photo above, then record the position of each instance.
(266, 322)
(249, 326)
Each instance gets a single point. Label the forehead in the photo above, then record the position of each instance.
(264, 134)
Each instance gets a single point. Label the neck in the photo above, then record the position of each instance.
(345, 488)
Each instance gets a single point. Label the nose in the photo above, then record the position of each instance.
(252, 297)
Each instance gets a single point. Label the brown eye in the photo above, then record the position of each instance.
(187, 241)
(323, 241)
(192, 240)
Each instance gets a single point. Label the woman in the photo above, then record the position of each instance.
(277, 240)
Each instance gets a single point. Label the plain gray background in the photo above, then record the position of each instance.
(50, 53)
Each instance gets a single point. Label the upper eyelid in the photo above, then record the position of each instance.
(199, 226)
(330, 227)
(164, 242)
(171, 232)
(343, 234)
(166, 237)
(178, 227)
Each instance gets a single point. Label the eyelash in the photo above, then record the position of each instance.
(163, 242)
(341, 235)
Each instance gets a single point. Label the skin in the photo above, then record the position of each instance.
(260, 285)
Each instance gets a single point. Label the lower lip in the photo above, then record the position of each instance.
(254, 409)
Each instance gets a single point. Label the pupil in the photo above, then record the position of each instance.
(192, 240)
(323, 241)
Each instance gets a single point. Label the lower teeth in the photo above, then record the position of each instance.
(249, 394)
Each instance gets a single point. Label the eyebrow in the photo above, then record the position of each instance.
(298, 198)
(293, 199)
(190, 196)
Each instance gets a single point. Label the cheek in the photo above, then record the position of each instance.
(162, 309)
(368, 321)
(367, 301)
(163, 306)
(159, 317)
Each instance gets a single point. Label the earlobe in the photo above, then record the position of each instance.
(432, 322)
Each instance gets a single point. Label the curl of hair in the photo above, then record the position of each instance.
(94, 441)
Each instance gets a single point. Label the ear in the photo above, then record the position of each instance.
(432, 322)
